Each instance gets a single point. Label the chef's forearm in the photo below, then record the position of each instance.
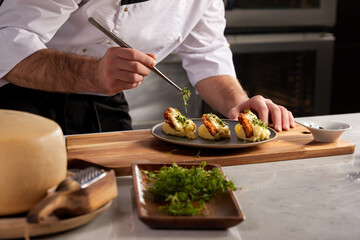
(54, 71)
(222, 92)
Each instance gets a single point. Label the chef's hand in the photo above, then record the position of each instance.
(123, 68)
(267, 111)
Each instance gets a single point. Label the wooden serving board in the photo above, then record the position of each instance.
(16, 227)
(117, 150)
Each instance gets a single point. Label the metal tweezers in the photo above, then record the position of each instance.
(123, 44)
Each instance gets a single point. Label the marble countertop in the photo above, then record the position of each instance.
(314, 198)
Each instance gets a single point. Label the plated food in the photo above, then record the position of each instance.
(213, 128)
(222, 138)
(178, 125)
(250, 128)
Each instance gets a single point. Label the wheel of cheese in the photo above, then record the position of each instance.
(32, 159)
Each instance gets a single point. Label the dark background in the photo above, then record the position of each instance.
(346, 67)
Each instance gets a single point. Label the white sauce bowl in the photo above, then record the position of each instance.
(325, 131)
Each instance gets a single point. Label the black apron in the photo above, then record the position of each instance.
(75, 113)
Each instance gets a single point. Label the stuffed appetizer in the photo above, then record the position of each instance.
(213, 128)
(178, 125)
(250, 128)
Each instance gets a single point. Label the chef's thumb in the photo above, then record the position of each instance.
(233, 113)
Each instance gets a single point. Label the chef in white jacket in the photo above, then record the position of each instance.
(54, 63)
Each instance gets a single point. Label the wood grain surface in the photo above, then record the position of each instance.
(16, 227)
(117, 150)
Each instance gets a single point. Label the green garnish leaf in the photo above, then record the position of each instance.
(181, 118)
(216, 119)
(255, 120)
(186, 96)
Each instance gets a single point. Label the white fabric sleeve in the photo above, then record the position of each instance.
(27, 25)
(205, 52)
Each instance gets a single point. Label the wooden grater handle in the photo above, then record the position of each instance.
(48, 205)
(57, 200)
(71, 200)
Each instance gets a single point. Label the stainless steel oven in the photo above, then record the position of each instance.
(280, 13)
(283, 50)
(292, 69)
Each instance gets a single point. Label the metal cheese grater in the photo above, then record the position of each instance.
(84, 178)
(88, 176)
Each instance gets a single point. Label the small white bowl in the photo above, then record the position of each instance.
(325, 131)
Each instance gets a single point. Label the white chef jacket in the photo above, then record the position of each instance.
(191, 28)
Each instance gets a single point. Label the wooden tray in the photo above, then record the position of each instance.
(16, 227)
(118, 150)
(224, 211)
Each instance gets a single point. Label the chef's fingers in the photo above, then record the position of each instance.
(265, 109)
(292, 120)
(119, 65)
(151, 55)
(281, 118)
(112, 80)
(275, 115)
(256, 104)
(124, 76)
(117, 86)
(125, 85)
(259, 106)
(233, 113)
(132, 55)
(285, 118)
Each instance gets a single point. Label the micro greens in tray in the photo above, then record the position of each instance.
(184, 191)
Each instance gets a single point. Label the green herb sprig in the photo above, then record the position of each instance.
(184, 191)
(260, 123)
(186, 96)
(216, 118)
(255, 120)
(181, 118)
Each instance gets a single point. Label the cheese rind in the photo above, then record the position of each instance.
(32, 159)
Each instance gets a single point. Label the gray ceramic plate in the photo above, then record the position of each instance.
(232, 142)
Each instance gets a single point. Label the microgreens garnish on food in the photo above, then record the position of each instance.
(216, 118)
(184, 191)
(260, 123)
(186, 96)
(255, 120)
(181, 118)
